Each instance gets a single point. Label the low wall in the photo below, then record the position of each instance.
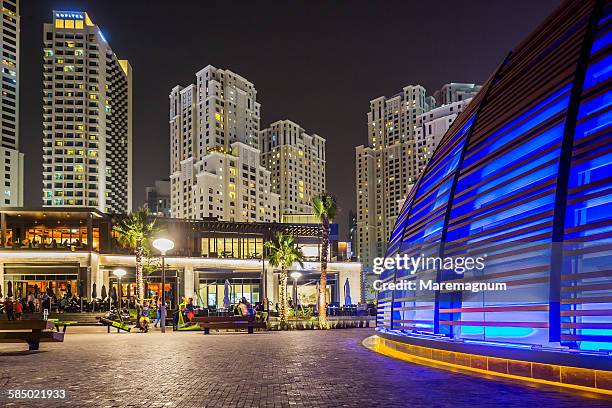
(586, 372)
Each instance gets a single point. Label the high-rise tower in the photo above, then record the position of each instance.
(11, 161)
(87, 117)
(215, 169)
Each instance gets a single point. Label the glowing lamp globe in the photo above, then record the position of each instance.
(163, 245)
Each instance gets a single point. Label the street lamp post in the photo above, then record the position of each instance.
(119, 273)
(295, 275)
(163, 245)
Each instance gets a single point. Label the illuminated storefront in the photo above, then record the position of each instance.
(58, 248)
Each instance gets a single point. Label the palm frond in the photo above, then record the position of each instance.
(283, 250)
(325, 207)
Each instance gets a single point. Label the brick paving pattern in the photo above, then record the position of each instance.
(267, 369)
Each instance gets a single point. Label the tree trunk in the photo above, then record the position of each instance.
(282, 308)
(139, 279)
(323, 282)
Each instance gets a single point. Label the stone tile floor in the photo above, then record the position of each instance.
(267, 369)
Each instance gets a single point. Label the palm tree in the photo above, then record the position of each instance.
(324, 207)
(283, 252)
(134, 233)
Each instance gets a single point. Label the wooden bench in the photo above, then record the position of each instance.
(30, 331)
(62, 323)
(229, 322)
(123, 325)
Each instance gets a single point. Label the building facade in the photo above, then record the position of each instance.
(233, 186)
(455, 92)
(87, 118)
(57, 248)
(432, 125)
(214, 156)
(387, 166)
(11, 160)
(158, 198)
(352, 233)
(399, 147)
(296, 161)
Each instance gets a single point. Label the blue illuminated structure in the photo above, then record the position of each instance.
(524, 175)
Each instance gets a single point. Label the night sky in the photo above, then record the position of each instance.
(318, 63)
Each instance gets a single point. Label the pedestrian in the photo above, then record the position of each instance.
(9, 308)
(158, 307)
(31, 302)
(18, 309)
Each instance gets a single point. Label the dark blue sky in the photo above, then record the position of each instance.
(317, 63)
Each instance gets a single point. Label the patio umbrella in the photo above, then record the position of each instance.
(50, 289)
(103, 293)
(226, 294)
(94, 292)
(69, 290)
(9, 289)
(80, 288)
(113, 293)
(347, 293)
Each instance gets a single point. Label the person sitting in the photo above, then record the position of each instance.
(144, 317)
(243, 307)
(189, 310)
(260, 313)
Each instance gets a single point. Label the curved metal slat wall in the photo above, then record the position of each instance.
(491, 187)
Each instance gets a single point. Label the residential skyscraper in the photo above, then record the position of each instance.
(352, 233)
(388, 166)
(87, 118)
(11, 160)
(296, 161)
(403, 132)
(432, 125)
(214, 148)
(455, 92)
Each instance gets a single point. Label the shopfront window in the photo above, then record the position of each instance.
(232, 247)
(24, 284)
(58, 236)
(307, 289)
(212, 291)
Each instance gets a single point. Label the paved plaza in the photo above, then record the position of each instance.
(269, 369)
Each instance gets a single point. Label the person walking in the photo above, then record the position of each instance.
(31, 302)
(158, 307)
(18, 309)
(9, 308)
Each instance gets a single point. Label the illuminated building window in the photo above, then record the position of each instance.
(59, 23)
